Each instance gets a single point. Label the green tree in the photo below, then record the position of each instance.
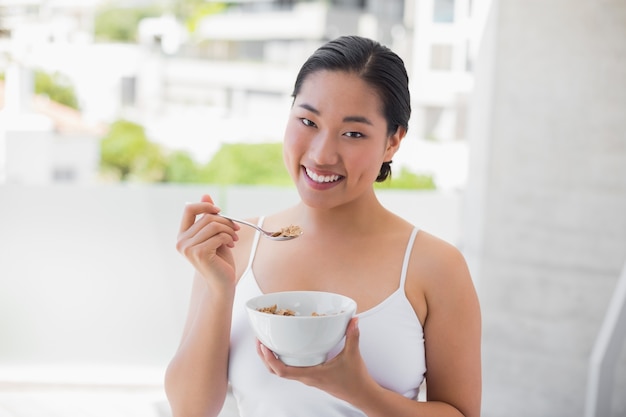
(181, 168)
(408, 180)
(191, 12)
(57, 87)
(115, 23)
(247, 164)
(127, 154)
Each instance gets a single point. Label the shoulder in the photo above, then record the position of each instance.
(440, 280)
(435, 259)
(438, 275)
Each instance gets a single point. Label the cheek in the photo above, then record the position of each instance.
(367, 164)
(371, 170)
(290, 146)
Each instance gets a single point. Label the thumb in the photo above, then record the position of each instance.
(352, 335)
(207, 199)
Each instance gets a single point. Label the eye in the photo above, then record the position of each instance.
(356, 135)
(307, 122)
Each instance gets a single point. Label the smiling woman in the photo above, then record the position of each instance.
(416, 307)
(332, 140)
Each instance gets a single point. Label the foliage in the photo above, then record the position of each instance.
(191, 12)
(57, 87)
(247, 164)
(115, 23)
(408, 180)
(181, 168)
(127, 154)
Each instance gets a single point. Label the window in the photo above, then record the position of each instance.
(443, 11)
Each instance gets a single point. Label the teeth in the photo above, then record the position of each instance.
(321, 178)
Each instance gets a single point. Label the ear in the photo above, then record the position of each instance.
(393, 143)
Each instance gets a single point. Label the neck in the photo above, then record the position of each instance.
(357, 217)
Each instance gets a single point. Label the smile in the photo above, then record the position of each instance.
(322, 178)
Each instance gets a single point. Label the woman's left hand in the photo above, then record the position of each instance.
(341, 376)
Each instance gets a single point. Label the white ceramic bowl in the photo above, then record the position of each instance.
(303, 339)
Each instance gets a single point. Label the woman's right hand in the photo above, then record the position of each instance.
(206, 241)
(196, 380)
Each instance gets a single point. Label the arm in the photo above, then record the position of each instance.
(452, 333)
(196, 378)
(440, 280)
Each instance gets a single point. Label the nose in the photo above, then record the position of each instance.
(323, 149)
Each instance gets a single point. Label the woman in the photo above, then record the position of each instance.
(417, 316)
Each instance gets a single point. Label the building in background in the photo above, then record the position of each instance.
(41, 141)
(231, 79)
(442, 56)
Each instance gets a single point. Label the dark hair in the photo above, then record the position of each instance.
(378, 66)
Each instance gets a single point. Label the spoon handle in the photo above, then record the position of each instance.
(245, 223)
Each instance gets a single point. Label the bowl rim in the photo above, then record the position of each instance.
(351, 310)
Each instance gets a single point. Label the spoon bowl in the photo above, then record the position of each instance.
(286, 233)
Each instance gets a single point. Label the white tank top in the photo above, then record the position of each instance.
(391, 344)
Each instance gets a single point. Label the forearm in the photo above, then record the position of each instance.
(377, 401)
(196, 380)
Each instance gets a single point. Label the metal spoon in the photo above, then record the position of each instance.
(284, 234)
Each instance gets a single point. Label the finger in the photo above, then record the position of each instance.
(265, 355)
(221, 225)
(206, 237)
(276, 365)
(208, 234)
(352, 335)
(213, 209)
(191, 212)
(206, 199)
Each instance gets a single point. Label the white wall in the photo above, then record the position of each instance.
(547, 192)
(89, 276)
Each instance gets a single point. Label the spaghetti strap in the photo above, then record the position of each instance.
(255, 243)
(407, 256)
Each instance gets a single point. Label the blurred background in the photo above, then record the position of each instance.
(113, 114)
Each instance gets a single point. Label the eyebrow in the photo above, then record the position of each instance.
(357, 119)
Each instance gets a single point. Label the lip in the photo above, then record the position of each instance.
(320, 185)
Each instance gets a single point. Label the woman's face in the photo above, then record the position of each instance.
(336, 139)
